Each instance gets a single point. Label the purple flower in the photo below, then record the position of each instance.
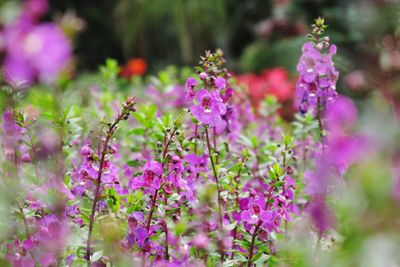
(34, 9)
(340, 115)
(34, 51)
(321, 214)
(17, 253)
(208, 107)
(86, 150)
(196, 164)
(175, 170)
(203, 75)
(152, 171)
(220, 83)
(318, 76)
(191, 82)
(201, 241)
(11, 137)
(47, 260)
(70, 259)
(150, 178)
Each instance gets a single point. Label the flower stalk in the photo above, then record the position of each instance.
(129, 106)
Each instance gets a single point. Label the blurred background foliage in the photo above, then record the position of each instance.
(254, 34)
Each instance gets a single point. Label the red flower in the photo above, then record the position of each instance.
(135, 66)
(270, 82)
(274, 82)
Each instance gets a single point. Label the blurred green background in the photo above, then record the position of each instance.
(254, 34)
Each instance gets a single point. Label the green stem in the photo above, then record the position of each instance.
(218, 187)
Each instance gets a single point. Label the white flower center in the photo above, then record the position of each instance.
(32, 43)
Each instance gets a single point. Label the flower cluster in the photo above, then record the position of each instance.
(209, 104)
(45, 237)
(316, 86)
(85, 175)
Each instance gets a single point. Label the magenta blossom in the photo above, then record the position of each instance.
(340, 115)
(191, 83)
(151, 178)
(208, 108)
(34, 9)
(32, 52)
(318, 77)
(220, 83)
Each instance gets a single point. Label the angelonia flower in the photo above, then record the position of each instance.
(33, 50)
(317, 74)
(316, 92)
(268, 208)
(208, 107)
(44, 241)
(340, 150)
(208, 99)
(85, 175)
(151, 177)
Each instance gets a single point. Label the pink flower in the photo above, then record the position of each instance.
(34, 51)
(208, 107)
(191, 82)
(150, 178)
(34, 9)
(220, 83)
(318, 77)
(340, 115)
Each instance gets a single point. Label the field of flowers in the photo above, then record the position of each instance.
(193, 166)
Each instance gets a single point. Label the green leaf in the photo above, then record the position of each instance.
(133, 163)
(96, 256)
(180, 228)
(174, 197)
(261, 259)
(137, 131)
(230, 227)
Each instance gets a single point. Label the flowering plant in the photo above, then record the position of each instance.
(204, 181)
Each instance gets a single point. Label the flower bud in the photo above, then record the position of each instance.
(203, 75)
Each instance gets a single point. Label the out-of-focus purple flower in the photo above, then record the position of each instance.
(34, 9)
(339, 151)
(11, 135)
(201, 241)
(18, 254)
(48, 260)
(33, 51)
(196, 164)
(208, 107)
(355, 80)
(220, 83)
(321, 214)
(26, 158)
(70, 259)
(344, 151)
(340, 115)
